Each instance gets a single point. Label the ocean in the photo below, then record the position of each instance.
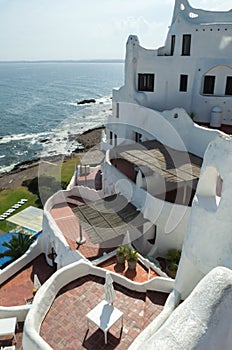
(39, 110)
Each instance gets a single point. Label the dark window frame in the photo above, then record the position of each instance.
(146, 82)
(115, 139)
(173, 42)
(138, 137)
(117, 109)
(183, 86)
(209, 84)
(228, 89)
(186, 44)
(111, 137)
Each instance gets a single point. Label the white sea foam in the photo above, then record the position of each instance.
(20, 137)
(59, 140)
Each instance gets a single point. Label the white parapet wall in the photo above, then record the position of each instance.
(48, 291)
(173, 128)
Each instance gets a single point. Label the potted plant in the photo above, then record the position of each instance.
(121, 254)
(132, 258)
(173, 258)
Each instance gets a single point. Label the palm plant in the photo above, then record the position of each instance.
(17, 246)
(121, 254)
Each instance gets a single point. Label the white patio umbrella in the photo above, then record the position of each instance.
(109, 289)
(36, 283)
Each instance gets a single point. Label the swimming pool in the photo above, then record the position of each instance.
(5, 238)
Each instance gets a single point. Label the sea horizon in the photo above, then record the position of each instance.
(66, 61)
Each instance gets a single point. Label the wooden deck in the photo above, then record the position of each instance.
(174, 166)
(109, 219)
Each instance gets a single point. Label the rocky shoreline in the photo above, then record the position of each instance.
(29, 169)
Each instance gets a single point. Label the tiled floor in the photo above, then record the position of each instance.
(140, 274)
(19, 288)
(65, 325)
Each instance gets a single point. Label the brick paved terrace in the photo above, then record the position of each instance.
(19, 288)
(65, 325)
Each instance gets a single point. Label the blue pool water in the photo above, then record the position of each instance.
(5, 238)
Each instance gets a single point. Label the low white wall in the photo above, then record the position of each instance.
(47, 293)
(173, 128)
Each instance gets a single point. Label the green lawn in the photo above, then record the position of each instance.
(30, 191)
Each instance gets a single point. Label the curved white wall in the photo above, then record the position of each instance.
(172, 128)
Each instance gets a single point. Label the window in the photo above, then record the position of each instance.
(209, 83)
(111, 138)
(183, 82)
(117, 110)
(173, 40)
(146, 82)
(228, 86)
(186, 45)
(138, 137)
(115, 140)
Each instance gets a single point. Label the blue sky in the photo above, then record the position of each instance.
(84, 29)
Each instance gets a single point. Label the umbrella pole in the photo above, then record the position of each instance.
(80, 240)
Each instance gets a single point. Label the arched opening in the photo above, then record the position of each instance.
(209, 189)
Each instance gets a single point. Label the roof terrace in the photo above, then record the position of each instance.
(65, 325)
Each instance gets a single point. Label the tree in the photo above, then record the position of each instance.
(17, 246)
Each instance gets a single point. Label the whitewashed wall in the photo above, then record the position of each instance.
(172, 128)
(211, 48)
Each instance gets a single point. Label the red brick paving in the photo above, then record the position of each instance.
(65, 325)
(19, 287)
(138, 275)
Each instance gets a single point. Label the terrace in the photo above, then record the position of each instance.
(18, 290)
(66, 328)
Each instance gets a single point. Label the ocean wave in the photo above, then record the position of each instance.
(59, 140)
(20, 137)
(7, 168)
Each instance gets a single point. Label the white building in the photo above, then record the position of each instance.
(193, 70)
